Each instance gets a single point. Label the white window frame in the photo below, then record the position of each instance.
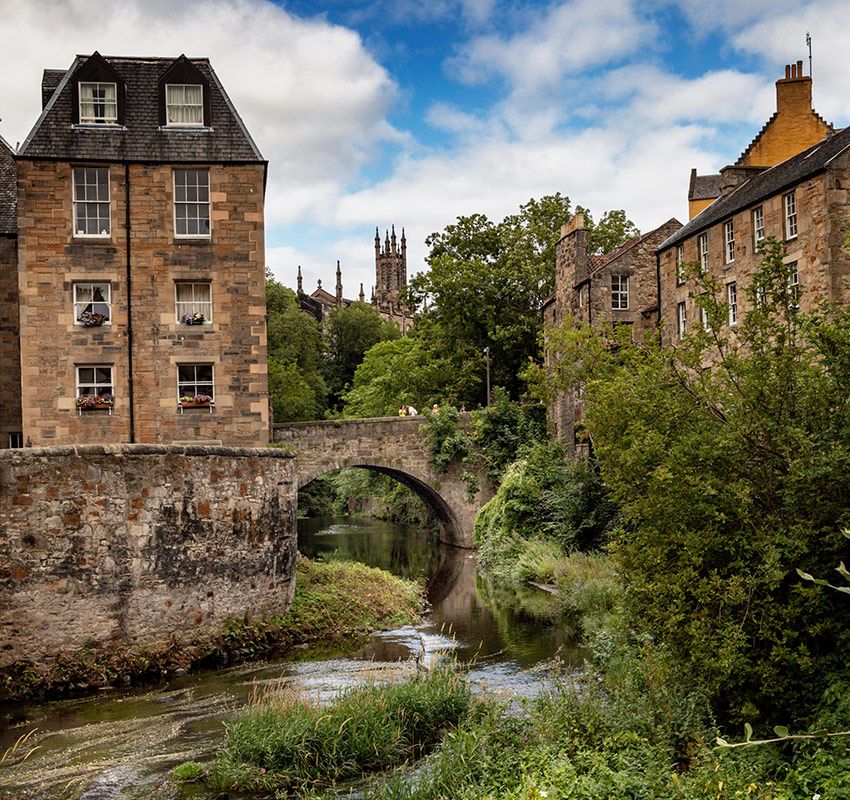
(758, 225)
(789, 204)
(105, 120)
(794, 286)
(200, 107)
(91, 284)
(16, 440)
(97, 201)
(704, 321)
(195, 365)
(680, 264)
(207, 309)
(732, 302)
(682, 319)
(96, 383)
(619, 292)
(729, 238)
(703, 251)
(177, 202)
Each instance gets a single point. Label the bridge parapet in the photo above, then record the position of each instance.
(395, 446)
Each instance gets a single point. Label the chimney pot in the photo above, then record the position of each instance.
(800, 68)
(787, 71)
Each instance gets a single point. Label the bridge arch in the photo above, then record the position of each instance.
(394, 446)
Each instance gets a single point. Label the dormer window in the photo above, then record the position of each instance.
(184, 104)
(98, 103)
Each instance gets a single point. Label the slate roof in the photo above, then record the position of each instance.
(704, 187)
(597, 262)
(141, 138)
(766, 184)
(8, 190)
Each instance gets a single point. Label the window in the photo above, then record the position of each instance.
(793, 287)
(681, 319)
(98, 103)
(758, 225)
(703, 318)
(729, 238)
(732, 302)
(703, 252)
(92, 304)
(790, 202)
(620, 291)
(582, 296)
(192, 299)
(680, 265)
(192, 202)
(195, 379)
(94, 380)
(184, 104)
(16, 440)
(91, 201)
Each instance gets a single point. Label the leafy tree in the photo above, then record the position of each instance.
(397, 371)
(350, 332)
(296, 385)
(613, 228)
(729, 456)
(486, 284)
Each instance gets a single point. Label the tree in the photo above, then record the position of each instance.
(398, 371)
(610, 232)
(486, 285)
(729, 456)
(350, 332)
(296, 386)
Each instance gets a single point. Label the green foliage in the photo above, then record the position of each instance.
(613, 228)
(543, 495)
(395, 372)
(296, 386)
(449, 439)
(350, 333)
(288, 743)
(728, 455)
(188, 772)
(485, 286)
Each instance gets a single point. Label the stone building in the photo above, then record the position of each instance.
(387, 293)
(140, 259)
(619, 288)
(802, 202)
(793, 127)
(10, 345)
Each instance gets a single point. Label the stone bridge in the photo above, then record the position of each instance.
(394, 446)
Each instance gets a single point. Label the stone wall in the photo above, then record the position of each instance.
(10, 353)
(131, 545)
(52, 259)
(395, 446)
(823, 264)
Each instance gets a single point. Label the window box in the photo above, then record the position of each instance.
(196, 401)
(194, 319)
(95, 402)
(91, 319)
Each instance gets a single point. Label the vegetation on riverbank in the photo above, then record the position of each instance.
(288, 743)
(333, 602)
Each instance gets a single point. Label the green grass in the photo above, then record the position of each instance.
(287, 743)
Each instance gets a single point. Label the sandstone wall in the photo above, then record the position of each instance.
(231, 259)
(10, 355)
(135, 544)
(395, 446)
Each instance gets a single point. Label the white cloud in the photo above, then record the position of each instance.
(314, 100)
(567, 38)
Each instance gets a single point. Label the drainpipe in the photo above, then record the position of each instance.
(129, 282)
(658, 285)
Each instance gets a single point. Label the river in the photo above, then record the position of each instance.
(120, 745)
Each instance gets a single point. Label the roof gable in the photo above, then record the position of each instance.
(763, 185)
(141, 137)
(96, 69)
(183, 71)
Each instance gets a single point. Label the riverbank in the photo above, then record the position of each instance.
(333, 602)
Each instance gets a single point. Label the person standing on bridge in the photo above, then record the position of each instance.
(412, 412)
(402, 411)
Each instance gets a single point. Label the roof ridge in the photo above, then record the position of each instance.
(50, 103)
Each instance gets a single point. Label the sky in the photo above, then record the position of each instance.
(413, 112)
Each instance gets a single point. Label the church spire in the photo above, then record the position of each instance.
(338, 285)
(394, 251)
(362, 297)
(300, 281)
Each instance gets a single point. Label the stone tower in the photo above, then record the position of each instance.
(390, 272)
